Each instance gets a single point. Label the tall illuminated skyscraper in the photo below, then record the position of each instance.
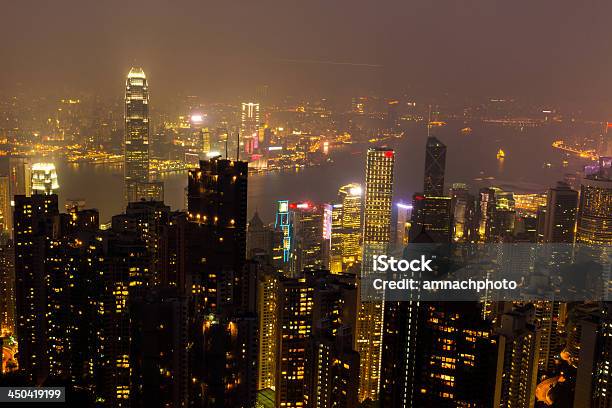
(15, 179)
(376, 237)
(595, 210)
(310, 239)
(346, 232)
(249, 123)
(44, 178)
(435, 165)
(136, 161)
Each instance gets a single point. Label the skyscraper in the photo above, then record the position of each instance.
(496, 214)
(435, 165)
(267, 302)
(310, 239)
(223, 290)
(593, 375)
(517, 359)
(249, 124)
(15, 179)
(216, 210)
(283, 224)
(44, 178)
(7, 288)
(136, 160)
(437, 354)
(560, 219)
(432, 215)
(595, 210)
(376, 237)
(36, 223)
(464, 213)
(349, 234)
(316, 364)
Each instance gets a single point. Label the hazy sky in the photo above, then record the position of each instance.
(551, 49)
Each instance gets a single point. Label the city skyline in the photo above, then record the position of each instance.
(313, 205)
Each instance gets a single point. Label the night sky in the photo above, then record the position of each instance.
(557, 51)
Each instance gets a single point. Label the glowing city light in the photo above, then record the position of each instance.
(355, 191)
(197, 118)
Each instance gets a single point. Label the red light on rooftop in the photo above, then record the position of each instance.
(419, 197)
(389, 153)
(304, 205)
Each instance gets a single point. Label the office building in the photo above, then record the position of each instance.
(560, 220)
(463, 213)
(435, 166)
(376, 237)
(311, 226)
(44, 179)
(595, 209)
(433, 216)
(136, 139)
(15, 179)
(249, 126)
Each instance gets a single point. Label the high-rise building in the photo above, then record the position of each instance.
(6, 209)
(593, 375)
(560, 219)
(316, 364)
(332, 364)
(149, 220)
(437, 354)
(216, 209)
(267, 302)
(44, 179)
(595, 209)
(15, 179)
(504, 215)
(517, 359)
(158, 367)
(124, 266)
(223, 286)
(260, 237)
(435, 165)
(36, 224)
(464, 214)
(7, 288)
(295, 327)
(249, 125)
(376, 237)
(283, 224)
(349, 240)
(433, 216)
(310, 236)
(335, 258)
(400, 227)
(496, 214)
(136, 150)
